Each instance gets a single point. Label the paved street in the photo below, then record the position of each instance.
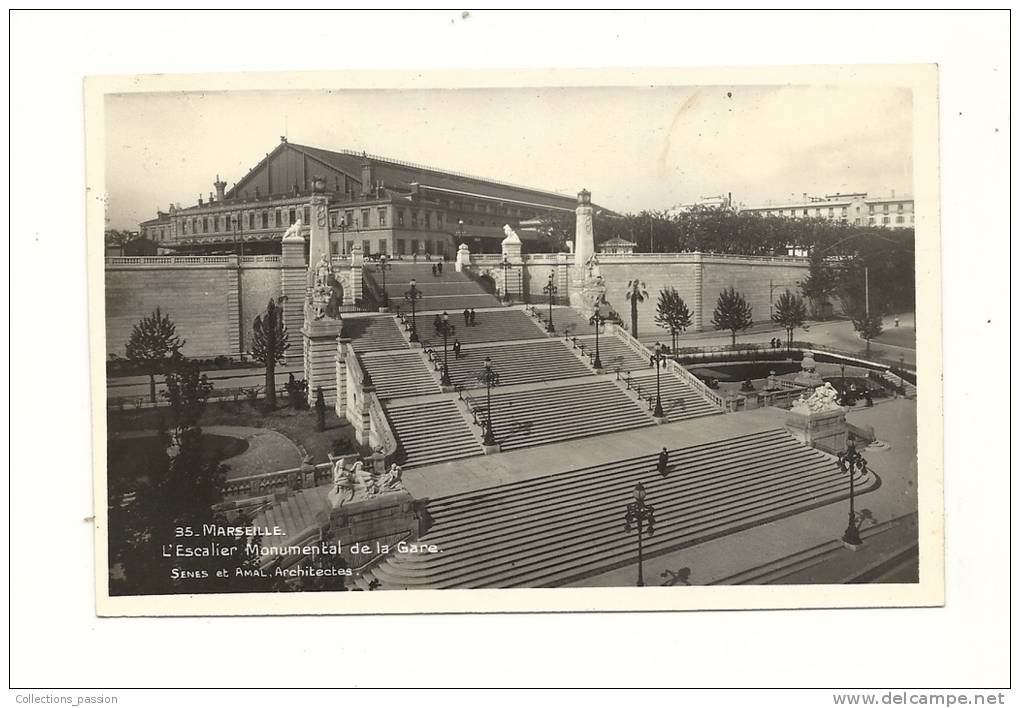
(840, 334)
(138, 386)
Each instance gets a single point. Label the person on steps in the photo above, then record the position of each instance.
(664, 462)
(473, 323)
(467, 317)
(456, 349)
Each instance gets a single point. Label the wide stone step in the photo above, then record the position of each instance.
(491, 538)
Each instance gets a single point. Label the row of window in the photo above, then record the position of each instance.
(404, 247)
(830, 211)
(239, 221)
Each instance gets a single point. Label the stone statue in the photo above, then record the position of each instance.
(343, 482)
(324, 298)
(824, 398)
(509, 232)
(391, 481)
(293, 230)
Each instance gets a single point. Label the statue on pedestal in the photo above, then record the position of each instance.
(325, 294)
(824, 398)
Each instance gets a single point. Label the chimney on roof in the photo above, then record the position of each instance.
(415, 191)
(283, 138)
(200, 200)
(221, 187)
(367, 176)
(805, 196)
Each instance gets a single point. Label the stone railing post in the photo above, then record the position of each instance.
(357, 276)
(463, 258)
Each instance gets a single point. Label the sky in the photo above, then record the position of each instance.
(634, 148)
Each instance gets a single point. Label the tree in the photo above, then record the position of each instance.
(819, 284)
(636, 292)
(178, 489)
(269, 345)
(732, 312)
(791, 312)
(868, 326)
(152, 344)
(672, 313)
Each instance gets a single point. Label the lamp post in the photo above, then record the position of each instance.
(413, 296)
(842, 383)
(640, 513)
(384, 265)
(658, 358)
(850, 460)
(506, 265)
(446, 329)
(596, 320)
(550, 289)
(489, 377)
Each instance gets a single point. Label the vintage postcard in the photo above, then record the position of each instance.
(516, 340)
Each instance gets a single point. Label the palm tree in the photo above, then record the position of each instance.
(636, 293)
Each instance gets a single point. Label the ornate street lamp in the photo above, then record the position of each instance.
(550, 289)
(597, 320)
(413, 296)
(446, 329)
(640, 513)
(850, 460)
(489, 377)
(385, 265)
(658, 359)
(506, 266)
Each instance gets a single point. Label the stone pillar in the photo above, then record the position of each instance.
(584, 235)
(563, 276)
(463, 258)
(342, 388)
(357, 274)
(319, 347)
(511, 247)
(293, 285)
(235, 340)
(318, 230)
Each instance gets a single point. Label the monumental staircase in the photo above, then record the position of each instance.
(558, 529)
(431, 432)
(449, 291)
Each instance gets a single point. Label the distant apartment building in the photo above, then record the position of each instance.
(855, 208)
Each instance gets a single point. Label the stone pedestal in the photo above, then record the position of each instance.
(383, 519)
(463, 258)
(319, 340)
(808, 377)
(826, 430)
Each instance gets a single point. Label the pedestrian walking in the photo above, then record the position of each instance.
(896, 321)
(467, 317)
(433, 270)
(456, 349)
(473, 323)
(664, 462)
(439, 265)
(437, 324)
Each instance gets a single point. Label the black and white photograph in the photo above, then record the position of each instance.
(428, 339)
(494, 349)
